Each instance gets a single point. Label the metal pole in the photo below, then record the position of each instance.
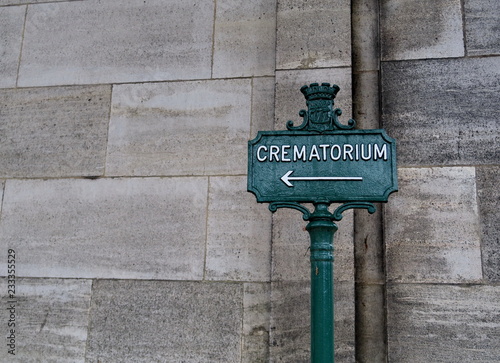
(321, 230)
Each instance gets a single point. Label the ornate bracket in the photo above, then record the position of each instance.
(337, 214)
(273, 207)
(320, 115)
(323, 212)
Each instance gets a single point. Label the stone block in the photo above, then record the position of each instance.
(11, 33)
(481, 27)
(165, 321)
(366, 100)
(289, 99)
(262, 105)
(291, 243)
(84, 42)
(20, 2)
(256, 315)
(2, 185)
(150, 228)
(54, 132)
(238, 233)
(313, 34)
(443, 112)
(180, 128)
(51, 318)
(365, 35)
(421, 29)
(443, 323)
(489, 198)
(290, 322)
(432, 229)
(245, 38)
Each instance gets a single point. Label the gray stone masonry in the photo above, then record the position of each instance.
(51, 319)
(238, 233)
(313, 34)
(489, 198)
(443, 323)
(482, 28)
(421, 29)
(179, 128)
(262, 105)
(432, 228)
(152, 228)
(245, 38)
(82, 42)
(54, 132)
(443, 112)
(124, 128)
(11, 28)
(256, 315)
(165, 321)
(17, 2)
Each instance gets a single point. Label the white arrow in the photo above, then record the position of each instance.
(286, 178)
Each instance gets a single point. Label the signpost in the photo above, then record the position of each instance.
(322, 161)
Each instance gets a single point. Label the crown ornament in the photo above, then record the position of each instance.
(314, 91)
(320, 115)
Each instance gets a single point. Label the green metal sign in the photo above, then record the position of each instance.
(322, 161)
(339, 166)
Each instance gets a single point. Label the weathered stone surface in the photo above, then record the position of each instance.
(180, 128)
(245, 38)
(443, 112)
(482, 27)
(94, 41)
(312, 34)
(106, 228)
(366, 100)
(51, 319)
(291, 247)
(370, 325)
(432, 229)
(165, 321)
(2, 185)
(256, 315)
(290, 322)
(365, 35)
(289, 99)
(421, 29)
(20, 2)
(443, 323)
(489, 198)
(262, 105)
(54, 132)
(238, 234)
(11, 30)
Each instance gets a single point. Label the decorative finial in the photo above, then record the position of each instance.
(320, 116)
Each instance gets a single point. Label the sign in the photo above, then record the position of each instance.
(339, 166)
(322, 161)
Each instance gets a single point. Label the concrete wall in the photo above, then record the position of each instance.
(123, 141)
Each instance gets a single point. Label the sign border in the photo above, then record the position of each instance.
(266, 199)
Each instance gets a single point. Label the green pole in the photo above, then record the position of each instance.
(321, 230)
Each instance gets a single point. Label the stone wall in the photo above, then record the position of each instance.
(123, 142)
(440, 83)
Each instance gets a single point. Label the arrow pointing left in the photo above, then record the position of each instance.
(287, 178)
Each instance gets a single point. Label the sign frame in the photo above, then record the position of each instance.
(262, 174)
